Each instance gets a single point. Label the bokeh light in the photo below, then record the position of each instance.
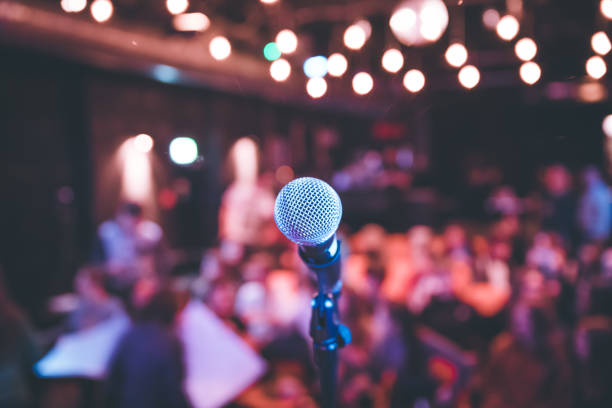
(280, 70)
(525, 49)
(183, 150)
(392, 60)
(607, 125)
(601, 43)
(287, 41)
(490, 18)
(414, 80)
(469, 76)
(456, 55)
(596, 67)
(507, 27)
(530, 72)
(73, 6)
(191, 22)
(315, 67)
(101, 10)
(143, 143)
(316, 87)
(418, 22)
(337, 65)
(354, 37)
(177, 6)
(363, 83)
(220, 48)
(271, 51)
(606, 8)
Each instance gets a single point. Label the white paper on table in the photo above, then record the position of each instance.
(219, 364)
(85, 353)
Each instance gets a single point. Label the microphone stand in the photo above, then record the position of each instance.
(327, 334)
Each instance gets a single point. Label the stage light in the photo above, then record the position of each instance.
(268, 1)
(469, 76)
(530, 72)
(456, 55)
(191, 22)
(73, 6)
(607, 126)
(606, 8)
(507, 27)
(183, 150)
(271, 51)
(414, 80)
(315, 67)
(596, 67)
(490, 18)
(336, 65)
(287, 41)
(354, 37)
(362, 83)
(143, 143)
(392, 60)
(417, 22)
(525, 49)
(220, 48)
(316, 87)
(601, 43)
(280, 70)
(177, 6)
(101, 10)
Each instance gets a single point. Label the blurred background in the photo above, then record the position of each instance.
(144, 144)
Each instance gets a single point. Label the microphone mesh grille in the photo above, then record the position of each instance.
(307, 211)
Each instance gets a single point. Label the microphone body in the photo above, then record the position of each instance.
(308, 212)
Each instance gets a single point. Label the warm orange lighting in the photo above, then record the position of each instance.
(507, 27)
(191, 22)
(336, 65)
(73, 6)
(280, 70)
(600, 42)
(596, 67)
(530, 72)
(143, 143)
(525, 49)
(354, 37)
(286, 41)
(456, 55)
(316, 87)
(392, 60)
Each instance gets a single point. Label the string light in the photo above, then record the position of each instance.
(596, 67)
(271, 51)
(280, 70)
(414, 80)
(143, 142)
(315, 67)
(392, 60)
(362, 83)
(507, 27)
(101, 10)
(456, 55)
(354, 37)
(607, 126)
(606, 8)
(469, 76)
(287, 41)
(316, 87)
(268, 1)
(73, 6)
(490, 18)
(177, 6)
(220, 48)
(601, 43)
(336, 65)
(530, 72)
(191, 22)
(525, 49)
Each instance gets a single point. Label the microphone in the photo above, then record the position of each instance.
(308, 211)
